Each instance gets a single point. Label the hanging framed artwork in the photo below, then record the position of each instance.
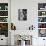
(22, 14)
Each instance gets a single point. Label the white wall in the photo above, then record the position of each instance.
(31, 13)
(3, 1)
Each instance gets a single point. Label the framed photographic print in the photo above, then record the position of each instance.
(22, 14)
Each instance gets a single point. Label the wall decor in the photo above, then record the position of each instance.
(22, 14)
(3, 6)
(4, 26)
(42, 19)
(41, 25)
(41, 6)
(4, 29)
(6, 7)
(3, 19)
(41, 13)
(13, 27)
(31, 27)
(23, 40)
(42, 32)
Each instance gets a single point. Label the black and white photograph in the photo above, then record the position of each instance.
(22, 14)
